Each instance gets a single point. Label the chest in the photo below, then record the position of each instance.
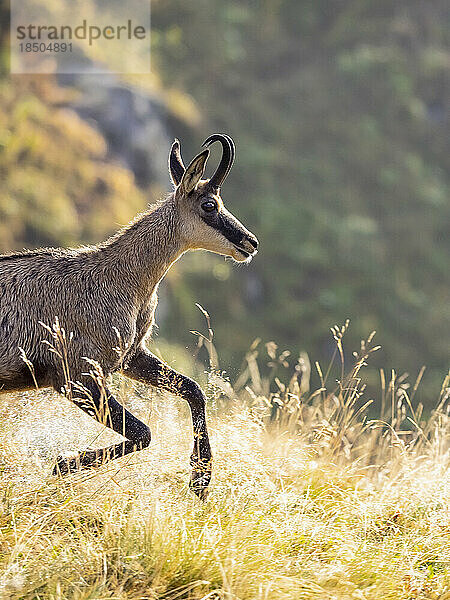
(145, 320)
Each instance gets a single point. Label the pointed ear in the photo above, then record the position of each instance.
(176, 166)
(194, 172)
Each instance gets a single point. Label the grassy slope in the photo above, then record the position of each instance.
(315, 505)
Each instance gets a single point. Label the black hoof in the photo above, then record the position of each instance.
(65, 466)
(82, 460)
(200, 489)
(200, 480)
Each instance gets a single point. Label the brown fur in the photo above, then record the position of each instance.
(100, 290)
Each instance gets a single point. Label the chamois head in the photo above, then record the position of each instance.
(204, 221)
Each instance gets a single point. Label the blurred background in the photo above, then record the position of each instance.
(340, 111)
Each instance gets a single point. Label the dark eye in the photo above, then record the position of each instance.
(209, 206)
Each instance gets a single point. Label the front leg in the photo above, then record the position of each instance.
(147, 368)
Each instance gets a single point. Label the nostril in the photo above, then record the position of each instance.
(253, 241)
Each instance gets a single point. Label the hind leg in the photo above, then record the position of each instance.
(107, 410)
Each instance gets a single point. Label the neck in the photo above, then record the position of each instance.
(142, 252)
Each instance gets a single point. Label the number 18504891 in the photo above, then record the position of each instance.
(45, 47)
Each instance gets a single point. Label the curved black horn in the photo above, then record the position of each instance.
(226, 162)
(176, 166)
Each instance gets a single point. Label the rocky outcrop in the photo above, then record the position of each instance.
(133, 122)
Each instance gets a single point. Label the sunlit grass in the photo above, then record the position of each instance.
(310, 500)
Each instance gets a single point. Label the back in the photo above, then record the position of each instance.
(29, 293)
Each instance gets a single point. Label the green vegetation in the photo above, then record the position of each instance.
(341, 121)
(310, 502)
(342, 124)
(57, 187)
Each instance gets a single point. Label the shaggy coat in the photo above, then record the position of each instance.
(104, 298)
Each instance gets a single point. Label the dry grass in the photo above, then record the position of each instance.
(308, 501)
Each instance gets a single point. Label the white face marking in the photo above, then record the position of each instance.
(200, 234)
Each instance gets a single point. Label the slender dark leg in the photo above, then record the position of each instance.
(104, 407)
(147, 368)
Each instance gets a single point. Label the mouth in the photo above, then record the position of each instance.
(242, 251)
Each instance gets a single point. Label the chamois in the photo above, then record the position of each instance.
(110, 289)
